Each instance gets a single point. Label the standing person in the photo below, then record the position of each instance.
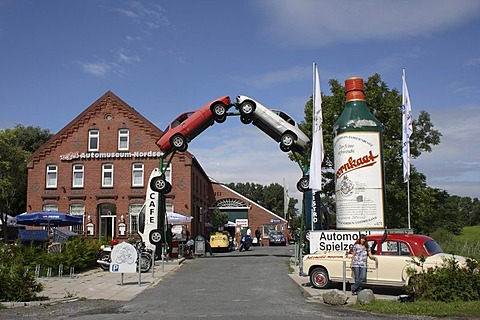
(359, 262)
(170, 240)
(258, 234)
(208, 247)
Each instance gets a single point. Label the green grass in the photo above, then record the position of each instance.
(423, 308)
(469, 234)
(466, 244)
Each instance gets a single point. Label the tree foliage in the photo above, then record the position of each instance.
(270, 197)
(16, 145)
(218, 219)
(429, 207)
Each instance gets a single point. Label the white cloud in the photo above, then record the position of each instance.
(123, 57)
(97, 69)
(152, 15)
(242, 153)
(454, 165)
(317, 23)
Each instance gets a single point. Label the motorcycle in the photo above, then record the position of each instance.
(245, 243)
(144, 255)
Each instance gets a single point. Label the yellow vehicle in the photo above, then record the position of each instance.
(220, 241)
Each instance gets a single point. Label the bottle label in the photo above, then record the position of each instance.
(358, 180)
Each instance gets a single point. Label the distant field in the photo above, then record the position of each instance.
(466, 244)
(469, 234)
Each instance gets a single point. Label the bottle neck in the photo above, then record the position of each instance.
(354, 89)
(355, 95)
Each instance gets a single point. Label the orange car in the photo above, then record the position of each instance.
(190, 124)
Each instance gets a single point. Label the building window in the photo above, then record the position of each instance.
(169, 207)
(52, 176)
(93, 140)
(50, 207)
(137, 175)
(77, 210)
(133, 217)
(267, 228)
(168, 173)
(77, 176)
(123, 139)
(107, 175)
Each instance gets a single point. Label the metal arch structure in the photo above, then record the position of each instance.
(167, 158)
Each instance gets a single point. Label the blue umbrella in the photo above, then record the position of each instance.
(48, 218)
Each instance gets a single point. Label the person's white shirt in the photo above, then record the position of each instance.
(249, 232)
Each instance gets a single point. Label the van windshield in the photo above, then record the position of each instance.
(141, 220)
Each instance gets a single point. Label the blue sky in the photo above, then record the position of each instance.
(167, 57)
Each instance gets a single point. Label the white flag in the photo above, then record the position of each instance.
(407, 129)
(316, 158)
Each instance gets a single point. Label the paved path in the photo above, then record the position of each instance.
(99, 284)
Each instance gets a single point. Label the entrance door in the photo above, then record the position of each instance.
(108, 214)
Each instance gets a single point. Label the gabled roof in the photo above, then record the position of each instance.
(213, 181)
(109, 98)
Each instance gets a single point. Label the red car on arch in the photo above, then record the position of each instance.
(190, 124)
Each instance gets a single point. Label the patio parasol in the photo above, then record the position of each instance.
(177, 218)
(48, 218)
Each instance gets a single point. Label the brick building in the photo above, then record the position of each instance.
(244, 212)
(98, 166)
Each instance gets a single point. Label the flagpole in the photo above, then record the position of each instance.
(406, 132)
(408, 203)
(314, 65)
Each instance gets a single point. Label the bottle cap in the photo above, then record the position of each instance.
(354, 89)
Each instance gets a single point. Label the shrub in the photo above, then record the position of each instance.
(18, 264)
(449, 282)
(15, 283)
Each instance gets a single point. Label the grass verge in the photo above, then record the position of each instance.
(423, 308)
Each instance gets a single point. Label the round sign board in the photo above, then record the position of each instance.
(124, 258)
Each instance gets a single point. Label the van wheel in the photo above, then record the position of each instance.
(303, 184)
(159, 184)
(155, 236)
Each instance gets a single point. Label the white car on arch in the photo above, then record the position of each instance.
(275, 123)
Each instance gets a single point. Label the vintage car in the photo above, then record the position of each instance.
(395, 254)
(276, 238)
(190, 124)
(277, 124)
(221, 241)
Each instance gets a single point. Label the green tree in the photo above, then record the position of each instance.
(385, 104)
(218, 219)
(270, 197)
(16, 145)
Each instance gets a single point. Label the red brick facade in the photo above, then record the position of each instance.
(104, 191)
(258, 216)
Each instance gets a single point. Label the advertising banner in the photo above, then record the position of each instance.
(336, 240)
(358, 176)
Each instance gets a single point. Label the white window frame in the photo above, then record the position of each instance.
(77, 210)
(107, 175)
(134, 211)
(138, 174)
(51, 176)
(78, 175)
(123, 139)
(168, 173)
(50, 207)
(93, 138)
